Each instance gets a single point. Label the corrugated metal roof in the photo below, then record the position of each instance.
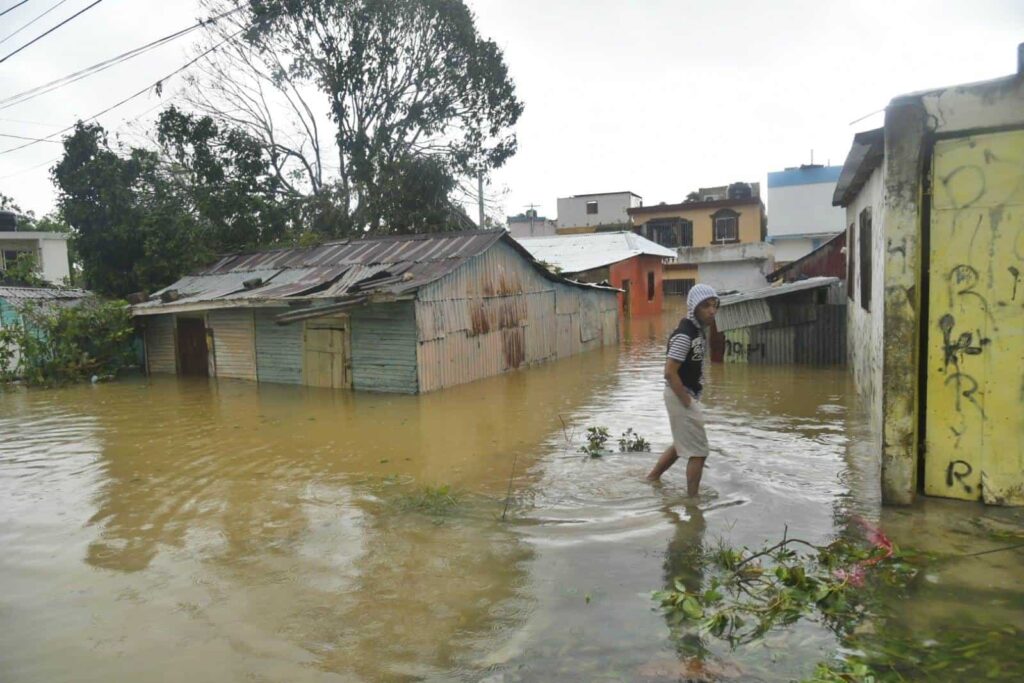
(742, 314)
(776, 290)
(577, 253)
(20, 294)
(393, 265)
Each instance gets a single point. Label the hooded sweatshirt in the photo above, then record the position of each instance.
(687, 344)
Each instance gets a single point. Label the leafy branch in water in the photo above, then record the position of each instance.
(631, 442)
(750, 593)
(597, 437)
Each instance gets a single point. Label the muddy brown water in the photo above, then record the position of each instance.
(194, 530)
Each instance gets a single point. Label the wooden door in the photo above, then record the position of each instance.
(974, 420)
(192, 351)
(325, 362)
(626, 301)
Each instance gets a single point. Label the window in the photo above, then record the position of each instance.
(650, 285)
(591, 208)
(670, 232)
(726, 226)
(865, 259)
(9, 256)
(678, 287)
(851, 260)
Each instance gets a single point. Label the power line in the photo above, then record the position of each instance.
(22, 137)
(104, 65)
(11, 35)
(13, 7)
(158, 84)
(40, 37)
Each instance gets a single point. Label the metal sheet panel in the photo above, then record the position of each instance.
(160, 352)
(384, 347)
(743, 314)
(278, 349)
(233, 343)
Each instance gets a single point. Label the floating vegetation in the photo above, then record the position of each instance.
(631, 442)
(436, 501)
(597, 437)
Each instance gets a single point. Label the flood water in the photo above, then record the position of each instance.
(186, 530)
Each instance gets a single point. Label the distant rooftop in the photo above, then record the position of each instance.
(586, 251)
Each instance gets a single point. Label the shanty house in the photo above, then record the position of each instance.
(406, 314)
(14, 299)
(800, 322)
(624, 259)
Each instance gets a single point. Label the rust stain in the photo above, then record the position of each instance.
(513, 343)
(480, 323)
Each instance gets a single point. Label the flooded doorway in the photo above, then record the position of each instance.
(326, 362)
(192, 350)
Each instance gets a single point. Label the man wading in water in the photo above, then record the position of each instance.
(684, 382)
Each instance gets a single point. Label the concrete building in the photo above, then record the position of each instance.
(407, 314)
(800, 213)
(828, 260)
(49, 249)
(934, 206)
(718, 241)
(624, 260)
(529, 224)
(594, 212)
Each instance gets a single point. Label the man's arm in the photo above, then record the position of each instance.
(672, 377)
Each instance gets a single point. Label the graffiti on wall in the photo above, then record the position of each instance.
(975, 359)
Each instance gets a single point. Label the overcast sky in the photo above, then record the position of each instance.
(654, 96)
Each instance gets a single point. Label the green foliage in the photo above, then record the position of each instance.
(58, 345)
(596, 439)
(630, 442)
(22, 273)
(750, 593)
(436, 501)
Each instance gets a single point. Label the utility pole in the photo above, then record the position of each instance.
(480, 197)
(531, 211)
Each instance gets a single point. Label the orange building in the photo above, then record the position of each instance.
(623, 260)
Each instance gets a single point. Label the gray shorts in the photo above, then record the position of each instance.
(688, 435)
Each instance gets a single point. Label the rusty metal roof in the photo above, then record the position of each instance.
(395, 264)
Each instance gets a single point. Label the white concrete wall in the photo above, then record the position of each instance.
(802, 209)
(539, 228)
(734, 275)
(55, 265)
(865, 328)
(611, 209)
(790, 250)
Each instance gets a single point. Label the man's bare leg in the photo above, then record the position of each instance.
(694, 470)
(666, 460)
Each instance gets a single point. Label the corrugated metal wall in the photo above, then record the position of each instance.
(802, 334)
(384, 347)
(160, 352)
(496, 313)
(278, 348)
(234, 345)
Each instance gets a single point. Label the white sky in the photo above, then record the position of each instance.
(654, 96)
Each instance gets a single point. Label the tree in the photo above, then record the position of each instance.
(403, 81)
(130, 229)
(228, 178)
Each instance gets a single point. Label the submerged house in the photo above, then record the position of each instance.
(934, 206)
(406, 314)
(801, 322)
(623, 259)
(13, 299)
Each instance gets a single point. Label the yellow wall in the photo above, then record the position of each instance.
(680, 273)
(974, 421)
(750, 221)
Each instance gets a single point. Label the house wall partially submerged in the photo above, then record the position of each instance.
(497, 313)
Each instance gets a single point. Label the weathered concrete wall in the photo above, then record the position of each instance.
(865, 327)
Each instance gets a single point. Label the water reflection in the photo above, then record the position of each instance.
(684, 566)
(231, 531)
